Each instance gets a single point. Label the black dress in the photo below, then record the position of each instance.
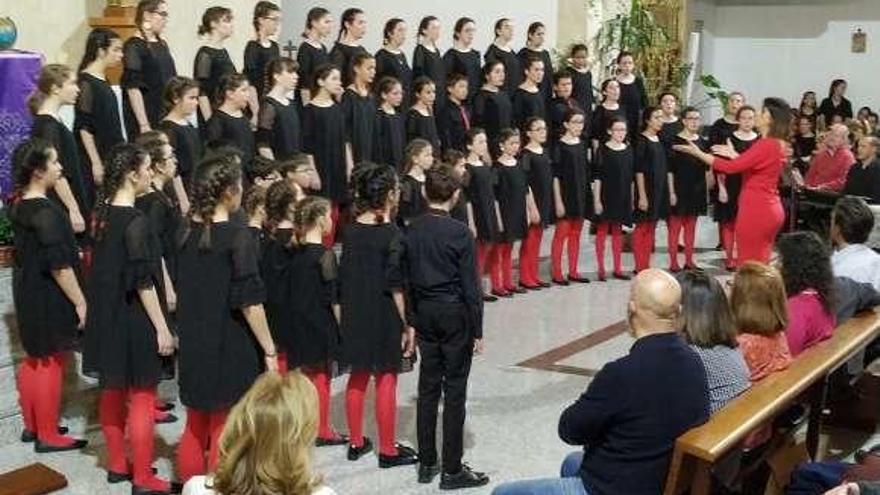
(689, 178)
(829, 110)
(390, 64)
(511, 191)
(452, 125)
(342, 56)
(556, 113)
(218, 354)
(493, 111)
(390, 139)
(422, 126)
(314, 278)
(546, 83)
(121, 347)
(527, 104)
(146, 66)
(726, 212)
(539, 168)
(370, 270)
(235, 131)
(256, 61)
(188, 149)
(804, 146)
(573, 171)
(210, 65)
(412, 201)
(480, 190)
(513, 73)
(309, 59)
(430, 64)
(43, 242)
(582, 90)
(274, 261)
(54, 131)
(601, 122)
(165, 226)
(96, 112)
(633, 99)
(669, 131)
(324, 138)
(278, 128)
(615, 169)
(650, 161)
(467, 64)
(721, 131)
(360, 123)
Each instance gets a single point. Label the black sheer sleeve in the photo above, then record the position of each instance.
(139, 256)
(133, 54)
(57, 248)
(330, 276)
(394, 272)
(265, 125)
(202, 73)
(247, 287)
(85, 108)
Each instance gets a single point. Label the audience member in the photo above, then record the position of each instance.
(863, 178)
(830, 165)
(851, 223)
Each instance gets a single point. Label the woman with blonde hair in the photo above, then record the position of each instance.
(266, 445)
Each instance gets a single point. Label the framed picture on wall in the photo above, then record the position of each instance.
(859, 42)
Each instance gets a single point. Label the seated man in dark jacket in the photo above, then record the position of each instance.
(635, 407)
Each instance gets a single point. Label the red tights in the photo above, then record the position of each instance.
(329, 239)
(386, 408)
(728, 241)
(321, 380)
(643, 244)
(616, 246)
(501, 267)
(39, 394)
(529, 251)
(675, 224)
(199, 444)
(138, 415)
(568, 233)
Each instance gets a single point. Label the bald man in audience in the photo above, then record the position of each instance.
(864, 177)
(635, 407)
(830, 165)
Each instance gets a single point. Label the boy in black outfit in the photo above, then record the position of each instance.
(447, 301)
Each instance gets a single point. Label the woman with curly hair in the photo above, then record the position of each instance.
(266, 446)
(809, 284)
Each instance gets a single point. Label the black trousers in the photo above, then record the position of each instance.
(446, 347)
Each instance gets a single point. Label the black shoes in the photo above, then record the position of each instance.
(489, 298)
(167, 418)
(405, 456)
(560, 281)
(466, 478)
(174, 488)
(579, 279)
(113, 477)
(43, 448)
(622, 276)
(427, 472)
(165, 406)
(340, 439)
(355, 453)
(29, 436)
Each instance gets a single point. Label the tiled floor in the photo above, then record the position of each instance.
(512, 409)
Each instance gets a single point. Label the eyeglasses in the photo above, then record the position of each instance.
(161, 13)
(275, 18)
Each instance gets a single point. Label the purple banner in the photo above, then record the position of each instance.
(18, 76)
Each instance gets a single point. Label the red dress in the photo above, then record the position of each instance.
(760, 214)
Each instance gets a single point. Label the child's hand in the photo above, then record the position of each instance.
(408, 341)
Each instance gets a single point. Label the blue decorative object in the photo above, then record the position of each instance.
(8, 33)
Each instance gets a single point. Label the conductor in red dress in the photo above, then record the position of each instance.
(760, 214)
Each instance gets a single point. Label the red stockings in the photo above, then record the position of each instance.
(386, 408)
(199, 444)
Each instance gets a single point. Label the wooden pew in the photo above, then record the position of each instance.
(700, 448)
(35, 479)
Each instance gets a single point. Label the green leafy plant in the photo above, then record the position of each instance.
(713, 91)
(6, 233)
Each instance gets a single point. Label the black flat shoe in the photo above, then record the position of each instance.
(28, 436)
(165, 406)
(528, 287)
(579, 279)
(466, 478)
(168, 418)
(355, 453)
(562, 282)
(137, 490)
(405, 456)
(501, 293)
(330, 442)
(544, 284)
(517, 290)
(113, 477)
(489, 298)
(427, 473)
(42, 448)
(622, 276)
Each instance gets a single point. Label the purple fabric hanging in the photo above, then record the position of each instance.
(18, 77)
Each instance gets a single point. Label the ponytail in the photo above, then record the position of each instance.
(99, 38)
(348, 17)
(315, 14)
(51, 75)
(211, 16)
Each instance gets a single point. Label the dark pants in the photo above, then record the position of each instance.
(446, 347)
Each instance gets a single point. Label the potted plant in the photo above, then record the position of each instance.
(7, 250)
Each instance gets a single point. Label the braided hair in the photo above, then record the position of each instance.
(28, 157)
(371, 184)
(306, 215)
(122, 160)
(280, 198)
(214, 177)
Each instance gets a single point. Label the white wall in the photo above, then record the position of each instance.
(785, 47)
(484, 12)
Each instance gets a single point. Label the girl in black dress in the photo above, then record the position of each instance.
(671, 123)
(49, 304)
(223, 330)
(359, 108)
(633, 97)
(722, 129)
(420, 121)
(517, 207)
(418, 158)
(324, 139)
(581, 78)
(212, 61)
(230, 123)
(126, 330)
(274, 211)
(312, 53)
(259, 52)
(493, 109)
(390, 124)
(182, 100)
(689, 181)
(96, 124)
(56, 86)
(390, 59)
(729, 185)
(528, 99)
(279, 133)
(348, 42)
(572, 197)
(608, 111)
(455, 118)
(804, 142)
(652, 187)
(374, 332)
(462, 58)
(501, 51)
(427, 59)
(612, 195)
(483, 215)
(536, 162)
(147, 66)
(534, 48)
(835, 104)
(315, 311)
(457, 160)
